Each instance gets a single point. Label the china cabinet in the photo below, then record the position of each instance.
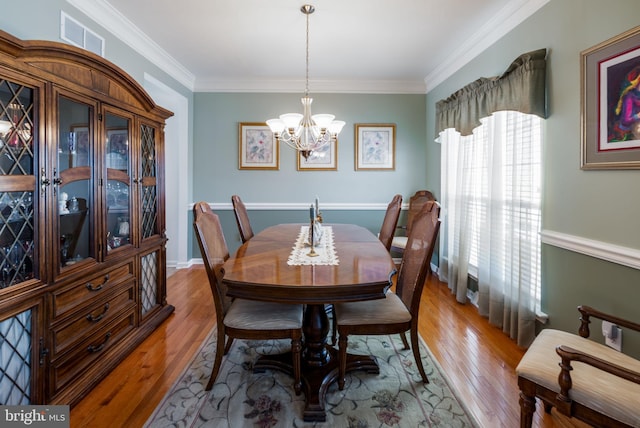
(82, 225)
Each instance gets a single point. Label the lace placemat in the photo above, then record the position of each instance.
(325, 249)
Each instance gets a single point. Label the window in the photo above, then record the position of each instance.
(491, 194)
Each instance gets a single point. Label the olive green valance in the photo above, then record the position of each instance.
(520, 88)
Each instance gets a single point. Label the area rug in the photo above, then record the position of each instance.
(240, 398)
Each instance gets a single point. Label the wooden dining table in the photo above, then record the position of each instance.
(259, 270)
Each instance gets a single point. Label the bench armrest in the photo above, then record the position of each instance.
(568, 354)
(586, 312)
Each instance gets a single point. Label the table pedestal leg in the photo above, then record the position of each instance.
(319, 363)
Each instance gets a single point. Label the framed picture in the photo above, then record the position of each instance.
(323, 159)
(118, 148)
(257, 147)
(118, 141)
(78, 142)
(610, 103)
(375, 146)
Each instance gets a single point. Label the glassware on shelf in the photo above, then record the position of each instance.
(73, 205)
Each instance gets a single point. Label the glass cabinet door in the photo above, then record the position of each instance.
(17, 184)
(118, 199)
(75, 203)
(148, 181)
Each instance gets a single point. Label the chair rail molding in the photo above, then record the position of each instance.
(625, 256)
(275, 206)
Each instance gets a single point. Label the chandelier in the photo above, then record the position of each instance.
(304, 132)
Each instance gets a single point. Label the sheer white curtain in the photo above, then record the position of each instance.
(490, 196)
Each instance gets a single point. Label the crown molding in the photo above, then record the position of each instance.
(504, 21)
(317, 86)
(120, 26)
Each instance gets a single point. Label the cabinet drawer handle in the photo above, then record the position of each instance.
(97, 318)
(98, 287)
(99, 347)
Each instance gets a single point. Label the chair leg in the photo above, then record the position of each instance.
(416, 353)
(342, 360)
(403, 336)
(218, 360)
(527, 409)
(296, 348)
(228, 345)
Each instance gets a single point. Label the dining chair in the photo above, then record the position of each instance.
(416, 202)
(242, 218)
(387, 230)
(390, 221)
(242, 318)
(397, 312)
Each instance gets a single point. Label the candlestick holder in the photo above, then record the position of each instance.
(312, 251)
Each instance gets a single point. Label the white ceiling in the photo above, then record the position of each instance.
(354, 45)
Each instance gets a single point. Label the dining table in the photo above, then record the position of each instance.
(347, 264)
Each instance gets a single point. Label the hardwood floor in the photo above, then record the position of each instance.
(479, 359)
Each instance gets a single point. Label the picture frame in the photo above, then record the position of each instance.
(78, 145)
(375, 145)
(610, 127)
(323, 159)
(117, 148)
(257, 147)
(118, 140)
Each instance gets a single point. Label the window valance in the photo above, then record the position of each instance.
(521, 88)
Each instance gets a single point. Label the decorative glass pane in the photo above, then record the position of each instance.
(149, 282)
(149, 188)
(16, 126)
(75, 195)
(15, 360)
(16, 237)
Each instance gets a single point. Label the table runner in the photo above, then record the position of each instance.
(325, 248)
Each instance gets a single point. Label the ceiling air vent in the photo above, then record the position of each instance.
(77, 34)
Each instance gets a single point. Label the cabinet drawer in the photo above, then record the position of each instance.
(92, 318)
(76, 294)
(90, 351)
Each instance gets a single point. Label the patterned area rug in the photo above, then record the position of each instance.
(241, 398)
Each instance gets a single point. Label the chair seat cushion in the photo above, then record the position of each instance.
(254, 315)
(399, 242)
(390, 310)
(596, 389)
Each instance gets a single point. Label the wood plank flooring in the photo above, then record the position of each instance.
(479, 359)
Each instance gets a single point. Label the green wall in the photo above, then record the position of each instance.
(215, 157)
(215, 149)
(597, 205)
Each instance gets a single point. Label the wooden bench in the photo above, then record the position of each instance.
(579, 377)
